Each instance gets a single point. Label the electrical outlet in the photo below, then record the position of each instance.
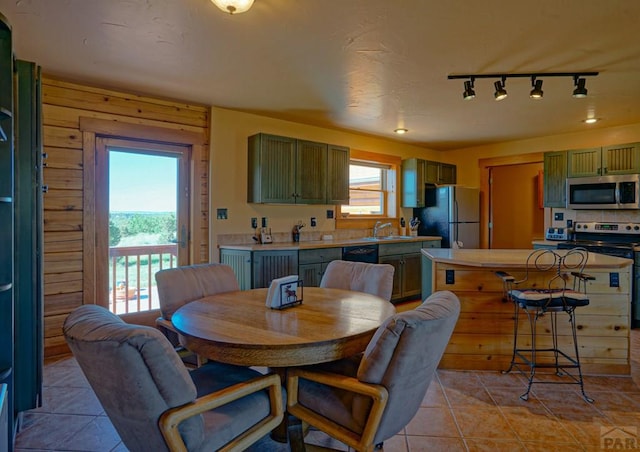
(254, 222)
(313, 222)
(329, 214)
(264, 222)
(558, 216)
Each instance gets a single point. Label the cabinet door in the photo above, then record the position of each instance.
(555, 177)
(396, 261)
(311, 173)
(311, 274)
(271, 169)
(413, 173)
(431, 172)
(621, 159)
(448, 173)
(240, 262)
(411, 275)
(584, 162)
(337, 175)
(268, 265)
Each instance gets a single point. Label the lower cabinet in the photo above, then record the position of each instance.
(406, 259)
(313, 262)
(256, 269)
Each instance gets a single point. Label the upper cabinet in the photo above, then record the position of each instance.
(285, 170)
(417, 172)
(555, 177)
(609, 160)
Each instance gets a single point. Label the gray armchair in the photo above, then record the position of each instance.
(374, 279)
(367, 399)
(155, 403)
(180, 285)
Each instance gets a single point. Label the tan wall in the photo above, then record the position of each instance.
(66, 251)
(467, 158)
(229, 132)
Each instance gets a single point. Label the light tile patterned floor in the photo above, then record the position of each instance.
(462, 411)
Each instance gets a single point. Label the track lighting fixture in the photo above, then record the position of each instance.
(580, 90)
(536, 83)
(536, 92)
(500, 93)
(468, 93)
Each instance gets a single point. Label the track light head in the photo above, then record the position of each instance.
(580, 91)
(536, 92)
(468, 93)
(500, 93)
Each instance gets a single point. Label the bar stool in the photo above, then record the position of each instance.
(544, 292)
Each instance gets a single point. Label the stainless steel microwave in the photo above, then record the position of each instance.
(604, 192)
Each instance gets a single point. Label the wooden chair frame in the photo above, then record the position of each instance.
(378, 394)
(171, 419)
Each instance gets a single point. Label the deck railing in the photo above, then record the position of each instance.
(132, 272)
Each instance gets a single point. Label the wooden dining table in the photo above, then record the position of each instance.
(238, 328)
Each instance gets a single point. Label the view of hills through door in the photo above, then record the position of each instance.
(516, 212)
(147, 216)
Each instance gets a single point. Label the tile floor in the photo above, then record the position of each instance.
(462, 411)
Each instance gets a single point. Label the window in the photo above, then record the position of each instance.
(372, 187)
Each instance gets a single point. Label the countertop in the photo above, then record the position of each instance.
(509, 258)
(313, 244)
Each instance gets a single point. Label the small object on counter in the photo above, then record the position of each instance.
(402, 222)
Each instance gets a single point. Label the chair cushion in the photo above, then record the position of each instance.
(137, 376)
(402, 356)
(549, 298)
(180, 285)
(374, 279)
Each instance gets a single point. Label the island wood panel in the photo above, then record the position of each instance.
(66, 250)
(483, 337)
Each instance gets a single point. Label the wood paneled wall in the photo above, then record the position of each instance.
(66, 244)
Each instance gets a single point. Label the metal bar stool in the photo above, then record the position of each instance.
(548, 274)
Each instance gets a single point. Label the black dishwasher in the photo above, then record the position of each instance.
(360, 253)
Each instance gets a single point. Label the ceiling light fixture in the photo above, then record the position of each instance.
(468, 93)
(233, 6)
(590, 120)
(580, 90)
(536, 92)
(500, 93)
(536, 83)
(401, 131)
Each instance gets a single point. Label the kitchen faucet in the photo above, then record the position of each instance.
(378, 227)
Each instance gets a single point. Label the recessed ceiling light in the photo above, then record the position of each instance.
(590, 120)
(401, 131)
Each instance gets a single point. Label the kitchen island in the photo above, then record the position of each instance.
(483, 337)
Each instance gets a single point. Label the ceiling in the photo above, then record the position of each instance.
(367, 66)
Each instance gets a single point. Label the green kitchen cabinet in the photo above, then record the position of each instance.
(268, 265)
(256, 269)
(405, 258)
(284, 170)
(240, 261)
(337, 174)
(312, 264)
(418, 172)
(555, 177)
(604, 161)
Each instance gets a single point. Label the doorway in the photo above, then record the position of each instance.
(142, 215)
(516, 214)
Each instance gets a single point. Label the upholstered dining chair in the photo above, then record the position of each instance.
(180, 285)
(155, 403)
(367, 399)
(375, 279)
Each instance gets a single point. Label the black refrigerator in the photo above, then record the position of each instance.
(453, 213)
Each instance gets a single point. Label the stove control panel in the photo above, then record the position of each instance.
(607, 228)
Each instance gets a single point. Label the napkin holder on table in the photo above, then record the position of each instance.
(284, 292)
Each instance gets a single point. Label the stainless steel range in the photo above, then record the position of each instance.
(613, 239)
